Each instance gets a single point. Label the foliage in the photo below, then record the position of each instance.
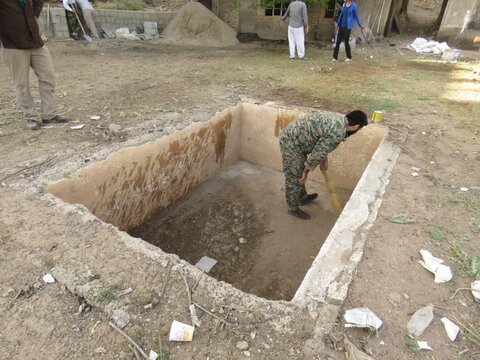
(436, 233)
(121, 5)
(270, 3)
(470, 265)
(410, 343)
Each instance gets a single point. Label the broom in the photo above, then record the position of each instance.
(337, 202)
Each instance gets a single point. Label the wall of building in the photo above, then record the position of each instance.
(460, 23)
(54, 24)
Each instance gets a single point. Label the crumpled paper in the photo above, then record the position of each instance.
(475, 286)
(451, 328)
(434, 265)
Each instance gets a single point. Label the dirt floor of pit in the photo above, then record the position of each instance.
(245, 201)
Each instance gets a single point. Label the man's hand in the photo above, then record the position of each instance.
(306, 29)
(303, 179)
(324, 165)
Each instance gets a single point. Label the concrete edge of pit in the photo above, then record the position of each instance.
(325, 286)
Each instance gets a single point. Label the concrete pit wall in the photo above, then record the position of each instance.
(54, 25)
(132, 184)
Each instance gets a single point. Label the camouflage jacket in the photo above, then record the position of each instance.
(314, 136)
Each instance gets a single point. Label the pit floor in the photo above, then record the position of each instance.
(245, 201)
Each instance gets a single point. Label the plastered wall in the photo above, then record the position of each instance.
(134, 183)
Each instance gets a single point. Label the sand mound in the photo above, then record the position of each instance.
(194, 24)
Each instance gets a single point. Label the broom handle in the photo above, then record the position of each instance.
(329, 185)
(78, 19)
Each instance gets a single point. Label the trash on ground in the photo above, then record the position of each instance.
(124, 33)
(451, 328)
(362, 317)
(125, 292)
(181, 332)
(451, 55)
(400, 219)
(415, 174)
(206, 264)
(464, 189)
(121, 318)
(153, 355)
(193, 314)
(434, 265)
(475, 286)
(423, 345)
(353, 353)
(48, 279)
(94, 117)
(77, 127)
(422, 45)
(420, 320)
(414, 168)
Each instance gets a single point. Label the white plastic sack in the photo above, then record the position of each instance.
(363, 318)
(475, 286)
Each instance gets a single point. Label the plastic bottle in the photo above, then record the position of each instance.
(420, 320)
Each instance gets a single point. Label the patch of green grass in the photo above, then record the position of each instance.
(109, 294)
(121, 5)
(164, 353)
(436, 233)
(410, 343)
(469, 265)
(470, 201)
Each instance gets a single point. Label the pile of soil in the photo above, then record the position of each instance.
(194, 24)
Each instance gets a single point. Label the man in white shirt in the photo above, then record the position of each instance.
(87, 11)
(297, 27)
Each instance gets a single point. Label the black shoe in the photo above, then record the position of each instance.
(57, 119)
(308, 198)
(298, 213)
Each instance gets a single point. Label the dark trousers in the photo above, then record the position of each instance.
(342, 35)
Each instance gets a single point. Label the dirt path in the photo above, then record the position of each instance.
(151, 90)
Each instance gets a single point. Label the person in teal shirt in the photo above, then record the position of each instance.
(345, 24)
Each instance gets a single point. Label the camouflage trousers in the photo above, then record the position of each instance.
(293, 166)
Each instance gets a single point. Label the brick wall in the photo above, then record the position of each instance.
(112, 19)
(229, 13)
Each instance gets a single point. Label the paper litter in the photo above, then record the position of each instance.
(362, 317)
(451, 328)
(434, 265)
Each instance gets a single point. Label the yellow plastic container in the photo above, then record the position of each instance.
(377, 116)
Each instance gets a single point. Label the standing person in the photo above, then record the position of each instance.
(305, 144)
(87, 11)
(23, 48)
(344, 26)
(297, 27)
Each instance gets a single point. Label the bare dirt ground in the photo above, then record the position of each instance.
(149, 90)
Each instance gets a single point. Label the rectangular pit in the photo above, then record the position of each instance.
(199, 190)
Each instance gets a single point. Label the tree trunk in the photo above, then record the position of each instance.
(436, 25)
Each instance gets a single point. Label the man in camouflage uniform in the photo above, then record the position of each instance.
(305, 144)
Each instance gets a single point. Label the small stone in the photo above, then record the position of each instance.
(100, 350)
(83, 290)
(48, 279)
(121, 318)
(242, 345)
(114, 128)
(148, 306)
(382, 343)
(236, 249)
(415, 168)
(266, 346)
(242, 240)
(406, 296)
(253, 334)
(415, 174)
(246, 353)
